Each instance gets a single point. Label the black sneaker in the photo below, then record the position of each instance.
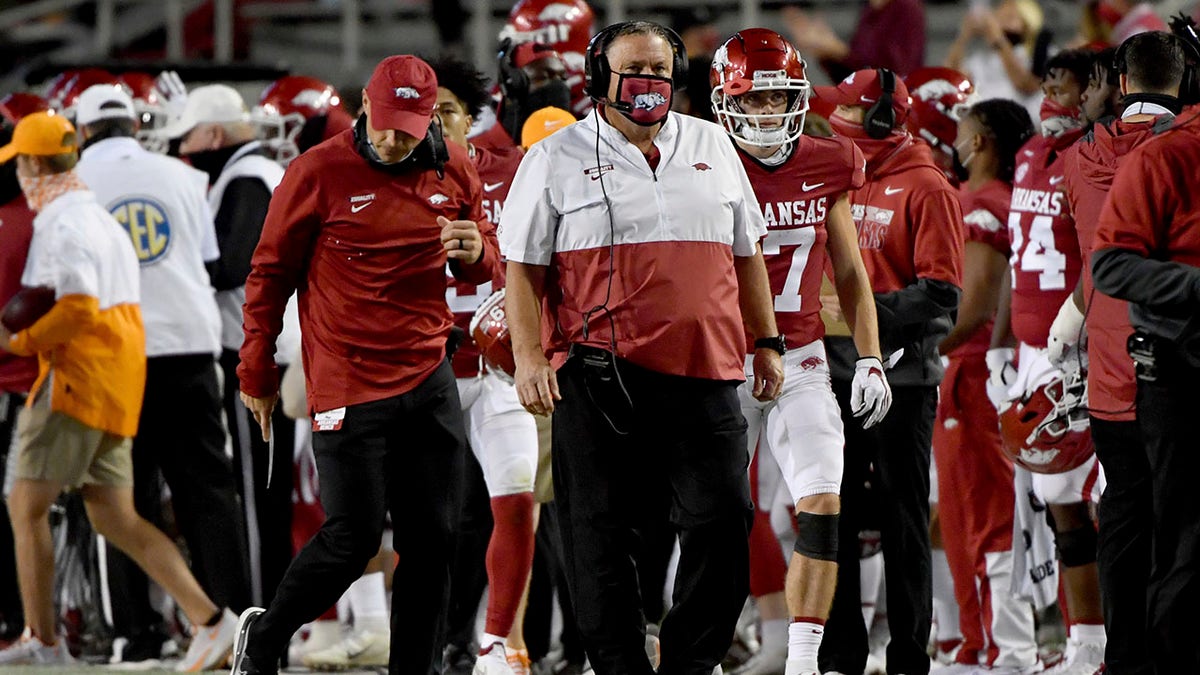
(458, 660)
(242, 663)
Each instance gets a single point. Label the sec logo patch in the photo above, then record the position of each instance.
(148, 226)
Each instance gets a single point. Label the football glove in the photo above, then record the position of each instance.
(1001, 374)
(870, 394)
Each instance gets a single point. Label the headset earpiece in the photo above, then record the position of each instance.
(597, 72)
(514, 83)
(880, 118)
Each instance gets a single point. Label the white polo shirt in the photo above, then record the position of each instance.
(674, 297)
(162, 204)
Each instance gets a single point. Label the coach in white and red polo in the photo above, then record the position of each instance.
(628, 237)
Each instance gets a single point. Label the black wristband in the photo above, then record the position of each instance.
(777, 343)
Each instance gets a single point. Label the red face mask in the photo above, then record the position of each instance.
(644, 99)
(1051, 109)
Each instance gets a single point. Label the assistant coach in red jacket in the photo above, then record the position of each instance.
(362, 226)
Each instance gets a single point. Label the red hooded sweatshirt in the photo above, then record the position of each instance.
(1090, 166)
(17, 373)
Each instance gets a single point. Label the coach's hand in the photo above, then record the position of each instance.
(537, 384)
(768, 374)
(461, 239)
(261, 409)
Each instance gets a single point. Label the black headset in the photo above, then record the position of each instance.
(597, 72)
(513, 81)
(880, 118)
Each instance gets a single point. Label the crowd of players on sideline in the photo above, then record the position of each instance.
(1031, 343)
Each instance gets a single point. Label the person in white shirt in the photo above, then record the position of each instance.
(161, 203)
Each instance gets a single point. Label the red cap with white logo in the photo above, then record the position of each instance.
(403, 94)
(862, 88)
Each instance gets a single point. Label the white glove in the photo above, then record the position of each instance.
(1001, 374)
(173, 93)
(1066, 332)
(870, 394)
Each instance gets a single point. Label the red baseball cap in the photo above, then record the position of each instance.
(863, 88)
(403, 94)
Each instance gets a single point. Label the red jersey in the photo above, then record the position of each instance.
(496, 169)
(1045, 258)
(363, 248)
(1091, 165)
(984, 214)
(795, 198)
(17, 373)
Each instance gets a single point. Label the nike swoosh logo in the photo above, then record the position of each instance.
(488, 187)
(355, 208)
(891, 191)
(808, 188)
(1056, 180)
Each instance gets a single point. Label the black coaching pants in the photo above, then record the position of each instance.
(683, 437)
(898, 449)
(402, 455)
(1123, 552)
(1167, 416)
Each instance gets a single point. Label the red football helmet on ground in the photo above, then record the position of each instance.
(65, 89)
(757, 59)
(148, 103)
(489, 329)
(940, 97)
(1047, 430)
(15, 106)
(565, 25)
(298, 112)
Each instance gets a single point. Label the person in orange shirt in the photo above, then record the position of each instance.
(75, 431)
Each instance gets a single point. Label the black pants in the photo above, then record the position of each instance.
(267, 505)
(181, 440)
(469, 569)
(686, 437)
(1123, 555)
(1167, 416)
(898, 450)
(12, 618)
(402, 455)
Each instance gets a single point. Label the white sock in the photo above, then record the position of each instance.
(774, 635)
(368, 603)
(804, 640)
(945, 605)
(488, 640)
(1089, 632)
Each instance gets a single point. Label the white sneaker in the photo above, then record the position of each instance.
(1085, 659)
(877, 663)
(318, 636)
(957, 669)
(653, 650)
(211, 645)
(492, 661)
(766, 661)
(361, 649)
(242, 638)
(31, 651)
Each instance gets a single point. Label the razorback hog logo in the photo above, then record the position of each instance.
(407, 92)
(935, 89)
(310, 98)
(812, 363)
(557, 12)
(648, 101)
(701, 166)
(1034, 457)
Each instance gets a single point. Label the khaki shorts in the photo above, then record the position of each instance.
(55, 447)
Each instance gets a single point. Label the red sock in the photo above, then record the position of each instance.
(509, 558)
(768, 570)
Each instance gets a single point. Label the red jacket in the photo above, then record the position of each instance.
(1090, 166)
(985, 214)
(17, 373)
(362, 247)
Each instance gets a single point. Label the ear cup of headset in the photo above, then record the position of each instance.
(597, 72)
(514, 83)
(880, 118)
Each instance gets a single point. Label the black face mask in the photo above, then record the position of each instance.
(956, 165)
(212, 162)
(430, 153)
(553, 94)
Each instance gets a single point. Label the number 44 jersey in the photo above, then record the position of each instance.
(1045, 254)
(796, 198)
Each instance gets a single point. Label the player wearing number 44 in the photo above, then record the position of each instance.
(161, 202)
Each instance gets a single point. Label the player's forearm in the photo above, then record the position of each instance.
(754, 296)
(522, 307)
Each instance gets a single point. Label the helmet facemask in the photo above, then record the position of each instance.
(762, 130)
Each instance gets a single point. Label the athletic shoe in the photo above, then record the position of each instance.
(492, 661)
(653, 650)
(361, 649)
(31, 651)
(765, 661)
(211, 645)
(242, 664)
(518, 660)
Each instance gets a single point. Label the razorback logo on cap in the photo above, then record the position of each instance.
(407, 92)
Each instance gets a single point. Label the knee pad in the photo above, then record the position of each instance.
(817, 536)
(1076, 547)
